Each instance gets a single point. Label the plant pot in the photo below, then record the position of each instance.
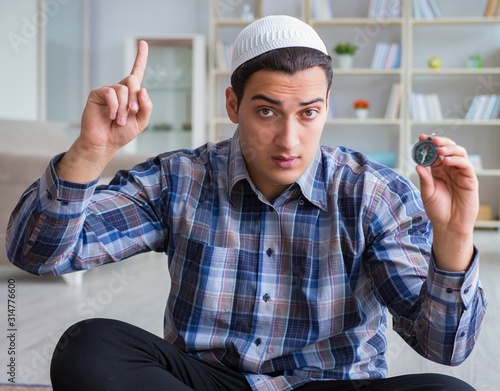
(362, 113)
(344, 61)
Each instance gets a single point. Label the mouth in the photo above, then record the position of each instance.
(285, 161)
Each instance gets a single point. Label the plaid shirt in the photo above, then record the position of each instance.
(286, 292)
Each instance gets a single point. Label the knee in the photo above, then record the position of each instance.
(77, 337)
(445, 382)
(77, 349)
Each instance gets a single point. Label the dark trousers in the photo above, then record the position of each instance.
(104, 354)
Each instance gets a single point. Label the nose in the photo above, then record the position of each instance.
(287, 137)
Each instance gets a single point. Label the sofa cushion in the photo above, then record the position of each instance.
(25, 151)
(30, 136)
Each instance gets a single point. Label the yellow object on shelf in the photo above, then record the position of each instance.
(485, 212)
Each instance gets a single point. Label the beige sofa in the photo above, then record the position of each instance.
(25, 150)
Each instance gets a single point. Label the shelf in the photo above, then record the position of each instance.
(220, 72)
(455, 71)
(487, 224)
(151, 131)
(488, 172)
(232, 22)
(152, 89)
(368, 121)
(222, 121)
(366, 71)
(452, 122)
(355, 21)
(455, 21)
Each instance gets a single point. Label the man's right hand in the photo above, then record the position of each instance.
(113, 116)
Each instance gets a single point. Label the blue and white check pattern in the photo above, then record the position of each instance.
(286, 292)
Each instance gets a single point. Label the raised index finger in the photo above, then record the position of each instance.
(141, 60)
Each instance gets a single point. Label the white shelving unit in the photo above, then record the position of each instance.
(175, 80)
(225, 24)
(454, 83)
(385, 137)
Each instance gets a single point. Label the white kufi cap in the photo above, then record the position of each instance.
(273, 32)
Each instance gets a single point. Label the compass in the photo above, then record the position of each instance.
(424, 152)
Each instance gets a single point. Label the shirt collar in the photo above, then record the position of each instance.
(312, 181)
(237, 167)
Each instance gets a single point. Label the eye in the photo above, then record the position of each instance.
(310, 113)
(265, 112)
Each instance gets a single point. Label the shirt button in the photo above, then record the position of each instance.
(269, 252)
(49, 196)
(258, 341)
(467, 290)
(266, 297)
(301, 202)
(65, 203)
(449, 290)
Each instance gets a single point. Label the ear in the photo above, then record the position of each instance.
(232, 105)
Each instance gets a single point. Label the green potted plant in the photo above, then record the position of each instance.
(345, 51)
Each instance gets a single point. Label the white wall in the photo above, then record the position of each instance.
(65, 71)
(113, 21)
(19, 59)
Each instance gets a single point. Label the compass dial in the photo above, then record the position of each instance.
(424, 153)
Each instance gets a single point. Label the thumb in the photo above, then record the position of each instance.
(145, 109)
(426, 182)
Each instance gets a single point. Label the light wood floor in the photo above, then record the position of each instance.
(135, 291)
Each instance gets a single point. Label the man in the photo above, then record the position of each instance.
(283, 255)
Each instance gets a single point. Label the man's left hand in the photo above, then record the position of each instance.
(450, 193)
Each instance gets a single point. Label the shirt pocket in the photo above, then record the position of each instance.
(203, 282)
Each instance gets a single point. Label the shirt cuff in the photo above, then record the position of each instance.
(454, 287)
(61, 197)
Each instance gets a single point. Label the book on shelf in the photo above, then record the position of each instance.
(488, 110)
(393, 103)
(223, 52)
(433, 107)
(484, 107)
(386, 56)
(384, 9)
(481, 107)
(492, 8)
(426, 9)
(472, 108)
(495, 112)
(436, 11)
(218, 55)
(425, 107)
(322, 9)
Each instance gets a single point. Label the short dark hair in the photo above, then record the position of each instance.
(288, 60)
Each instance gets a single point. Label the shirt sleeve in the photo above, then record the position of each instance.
(438, 313)
(461, 295)
(60, 226)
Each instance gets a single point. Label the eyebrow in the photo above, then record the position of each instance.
(278, 103)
